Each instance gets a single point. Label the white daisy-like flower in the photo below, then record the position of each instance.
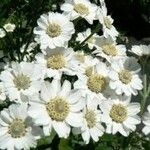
(22, 79)
(120, 115)
(107, 22)
(108, 49)
(91, 41)
(146, 122)
(141, 50)
(95, 84)
(91, 127)
(56, 62)
(54, 30)
(2, 92)
(80, 8)
(124, 76)
(17, 130)
(2, 33)
(9, 27)
(58, 107)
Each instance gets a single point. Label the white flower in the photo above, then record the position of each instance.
(95, 83)
(2, 33)
(107, 23)
(17, 130)
(91, 41)
(124, 77)
(58, 107)
(22, 79)
(120, 115)
(146, 121)
(54, 30)
(9, 27)
(141, 50)
(92, 122)
(2, 92)
(56, 62)
(80, 8)
(108, 49)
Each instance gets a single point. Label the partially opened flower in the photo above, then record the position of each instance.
(146, 121)
(53, 30)
(120, 115)
(21, 79)
(80, 8)
(17, 129)
(124, 76)
(9, 27)
(58, 107)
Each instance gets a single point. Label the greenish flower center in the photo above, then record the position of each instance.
(22, 81)
(53, 30)
(96, 83)
(109, 50)
(81, 9)
(90, 118)
(118, 113)
(17, 128)
(56, 62)
(58, 109)
(125, 76)
(107, 22)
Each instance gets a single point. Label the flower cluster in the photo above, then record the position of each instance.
(96, 101)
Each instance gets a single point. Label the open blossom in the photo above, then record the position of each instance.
(80, 8)
(108, 49)
(146, 122)
(91, 41)
(124, 76)
(91, 127)
(9, 27)
(120, 115)
(53, 30)
(107, 22)
(17, 129)
(57, 62)
(21, 79)
(58, 107)
(2, 33)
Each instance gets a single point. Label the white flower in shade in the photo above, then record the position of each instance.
(124, 77)
(107, 22)
(146, 122)
(9, 27)
(58, 107)
(22, 79)
(91, 41)
(120, 115)
(95, 84)
(2, 92)
(141, 50)
(17, 130)
(54, 30)
(108, 49)
(2, 33)
(80, 8)
(91, 124)
(56, 62)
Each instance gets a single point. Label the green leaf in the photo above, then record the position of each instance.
(64, 145)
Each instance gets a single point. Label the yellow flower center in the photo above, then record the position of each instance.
(53, 30)
(96, 83)
(90, 118)
(80, 57)
(125, 76)
(107, 22)
(58, 109)
(56, 62)
(17, 128)
(81, 9)
(118, 113)
(88, 71)
(109, 50)
(22, 81)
